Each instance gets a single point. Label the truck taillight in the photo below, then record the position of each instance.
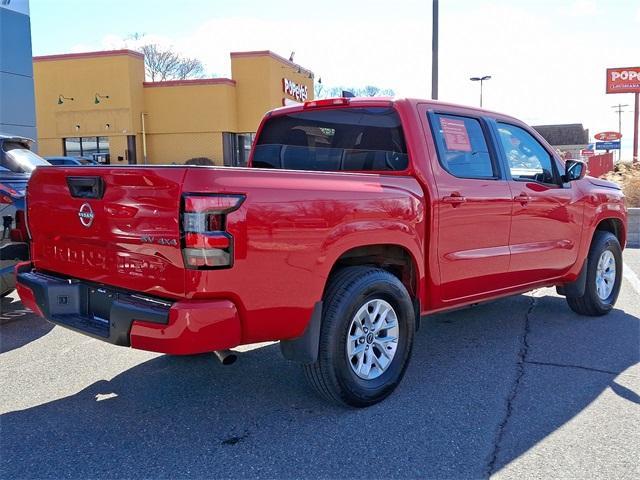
(326, 102)
(206, 242)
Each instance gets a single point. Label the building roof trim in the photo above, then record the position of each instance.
(194, 81)
(269, 53)
(73, 56)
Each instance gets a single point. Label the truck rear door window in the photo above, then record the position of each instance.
(462, 147)
(342, 139)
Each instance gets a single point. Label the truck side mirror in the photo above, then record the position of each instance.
(574, 170)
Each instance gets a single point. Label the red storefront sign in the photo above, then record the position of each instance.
(623, 80)
(608, 136)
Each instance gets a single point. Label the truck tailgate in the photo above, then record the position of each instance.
(111, 225)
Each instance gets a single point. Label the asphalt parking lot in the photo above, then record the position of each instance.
(521, 387)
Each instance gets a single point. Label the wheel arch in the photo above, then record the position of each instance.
(394, 258)
(613, 225)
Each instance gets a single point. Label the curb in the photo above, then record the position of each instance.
(633, 227)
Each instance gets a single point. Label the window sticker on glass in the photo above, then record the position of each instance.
(455, 134)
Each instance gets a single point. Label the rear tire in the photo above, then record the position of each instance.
(604, 277)
(366, 337)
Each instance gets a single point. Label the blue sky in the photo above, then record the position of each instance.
(547, 58)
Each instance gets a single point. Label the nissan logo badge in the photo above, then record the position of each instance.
(86, 215)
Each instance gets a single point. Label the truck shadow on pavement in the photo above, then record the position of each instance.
(19, 325)
(484, 386)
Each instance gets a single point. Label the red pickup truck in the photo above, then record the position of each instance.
(355, 218)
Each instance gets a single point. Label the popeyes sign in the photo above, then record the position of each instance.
(295, 90)
(607, 136)
(623, 80)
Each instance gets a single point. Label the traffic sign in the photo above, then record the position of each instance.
(608, 145)
(608, 136)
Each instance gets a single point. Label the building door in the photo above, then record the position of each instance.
(236, 148)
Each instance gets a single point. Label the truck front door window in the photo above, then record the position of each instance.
(526, 157)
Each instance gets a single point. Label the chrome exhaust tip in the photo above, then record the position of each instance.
(226, 357)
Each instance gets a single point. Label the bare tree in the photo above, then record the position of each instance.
(369, 91)
(373, 91)
(366, 91)
(160, 64)
(163, 63)
(189, 68)
(318, 90)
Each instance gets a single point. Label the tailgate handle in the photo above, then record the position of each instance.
(86, 187)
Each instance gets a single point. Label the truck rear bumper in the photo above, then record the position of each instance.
(129, 319)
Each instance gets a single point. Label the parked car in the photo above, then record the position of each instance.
(17, 162)
(356, 218)
(70, 161)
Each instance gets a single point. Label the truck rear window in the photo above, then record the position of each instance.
(342, 139)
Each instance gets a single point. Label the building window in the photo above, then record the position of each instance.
(94, 148)
(72, 147)
(236, 148)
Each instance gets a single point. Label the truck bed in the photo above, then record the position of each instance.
(287, 234)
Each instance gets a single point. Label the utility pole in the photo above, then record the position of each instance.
(434, 53)
(619, 111)
(636, 114)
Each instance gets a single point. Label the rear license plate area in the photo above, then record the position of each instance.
(65, 299)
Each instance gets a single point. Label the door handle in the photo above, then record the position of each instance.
(454, 199)
(523, 198)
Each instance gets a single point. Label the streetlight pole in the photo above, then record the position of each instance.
(481, 80)
(434, 53)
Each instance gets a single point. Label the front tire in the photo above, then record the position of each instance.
(366, 337)
(604, 277)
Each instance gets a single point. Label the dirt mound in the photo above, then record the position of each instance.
(627, 176)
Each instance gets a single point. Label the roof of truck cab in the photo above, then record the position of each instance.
(388, 101)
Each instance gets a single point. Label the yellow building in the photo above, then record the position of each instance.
(98, 105)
